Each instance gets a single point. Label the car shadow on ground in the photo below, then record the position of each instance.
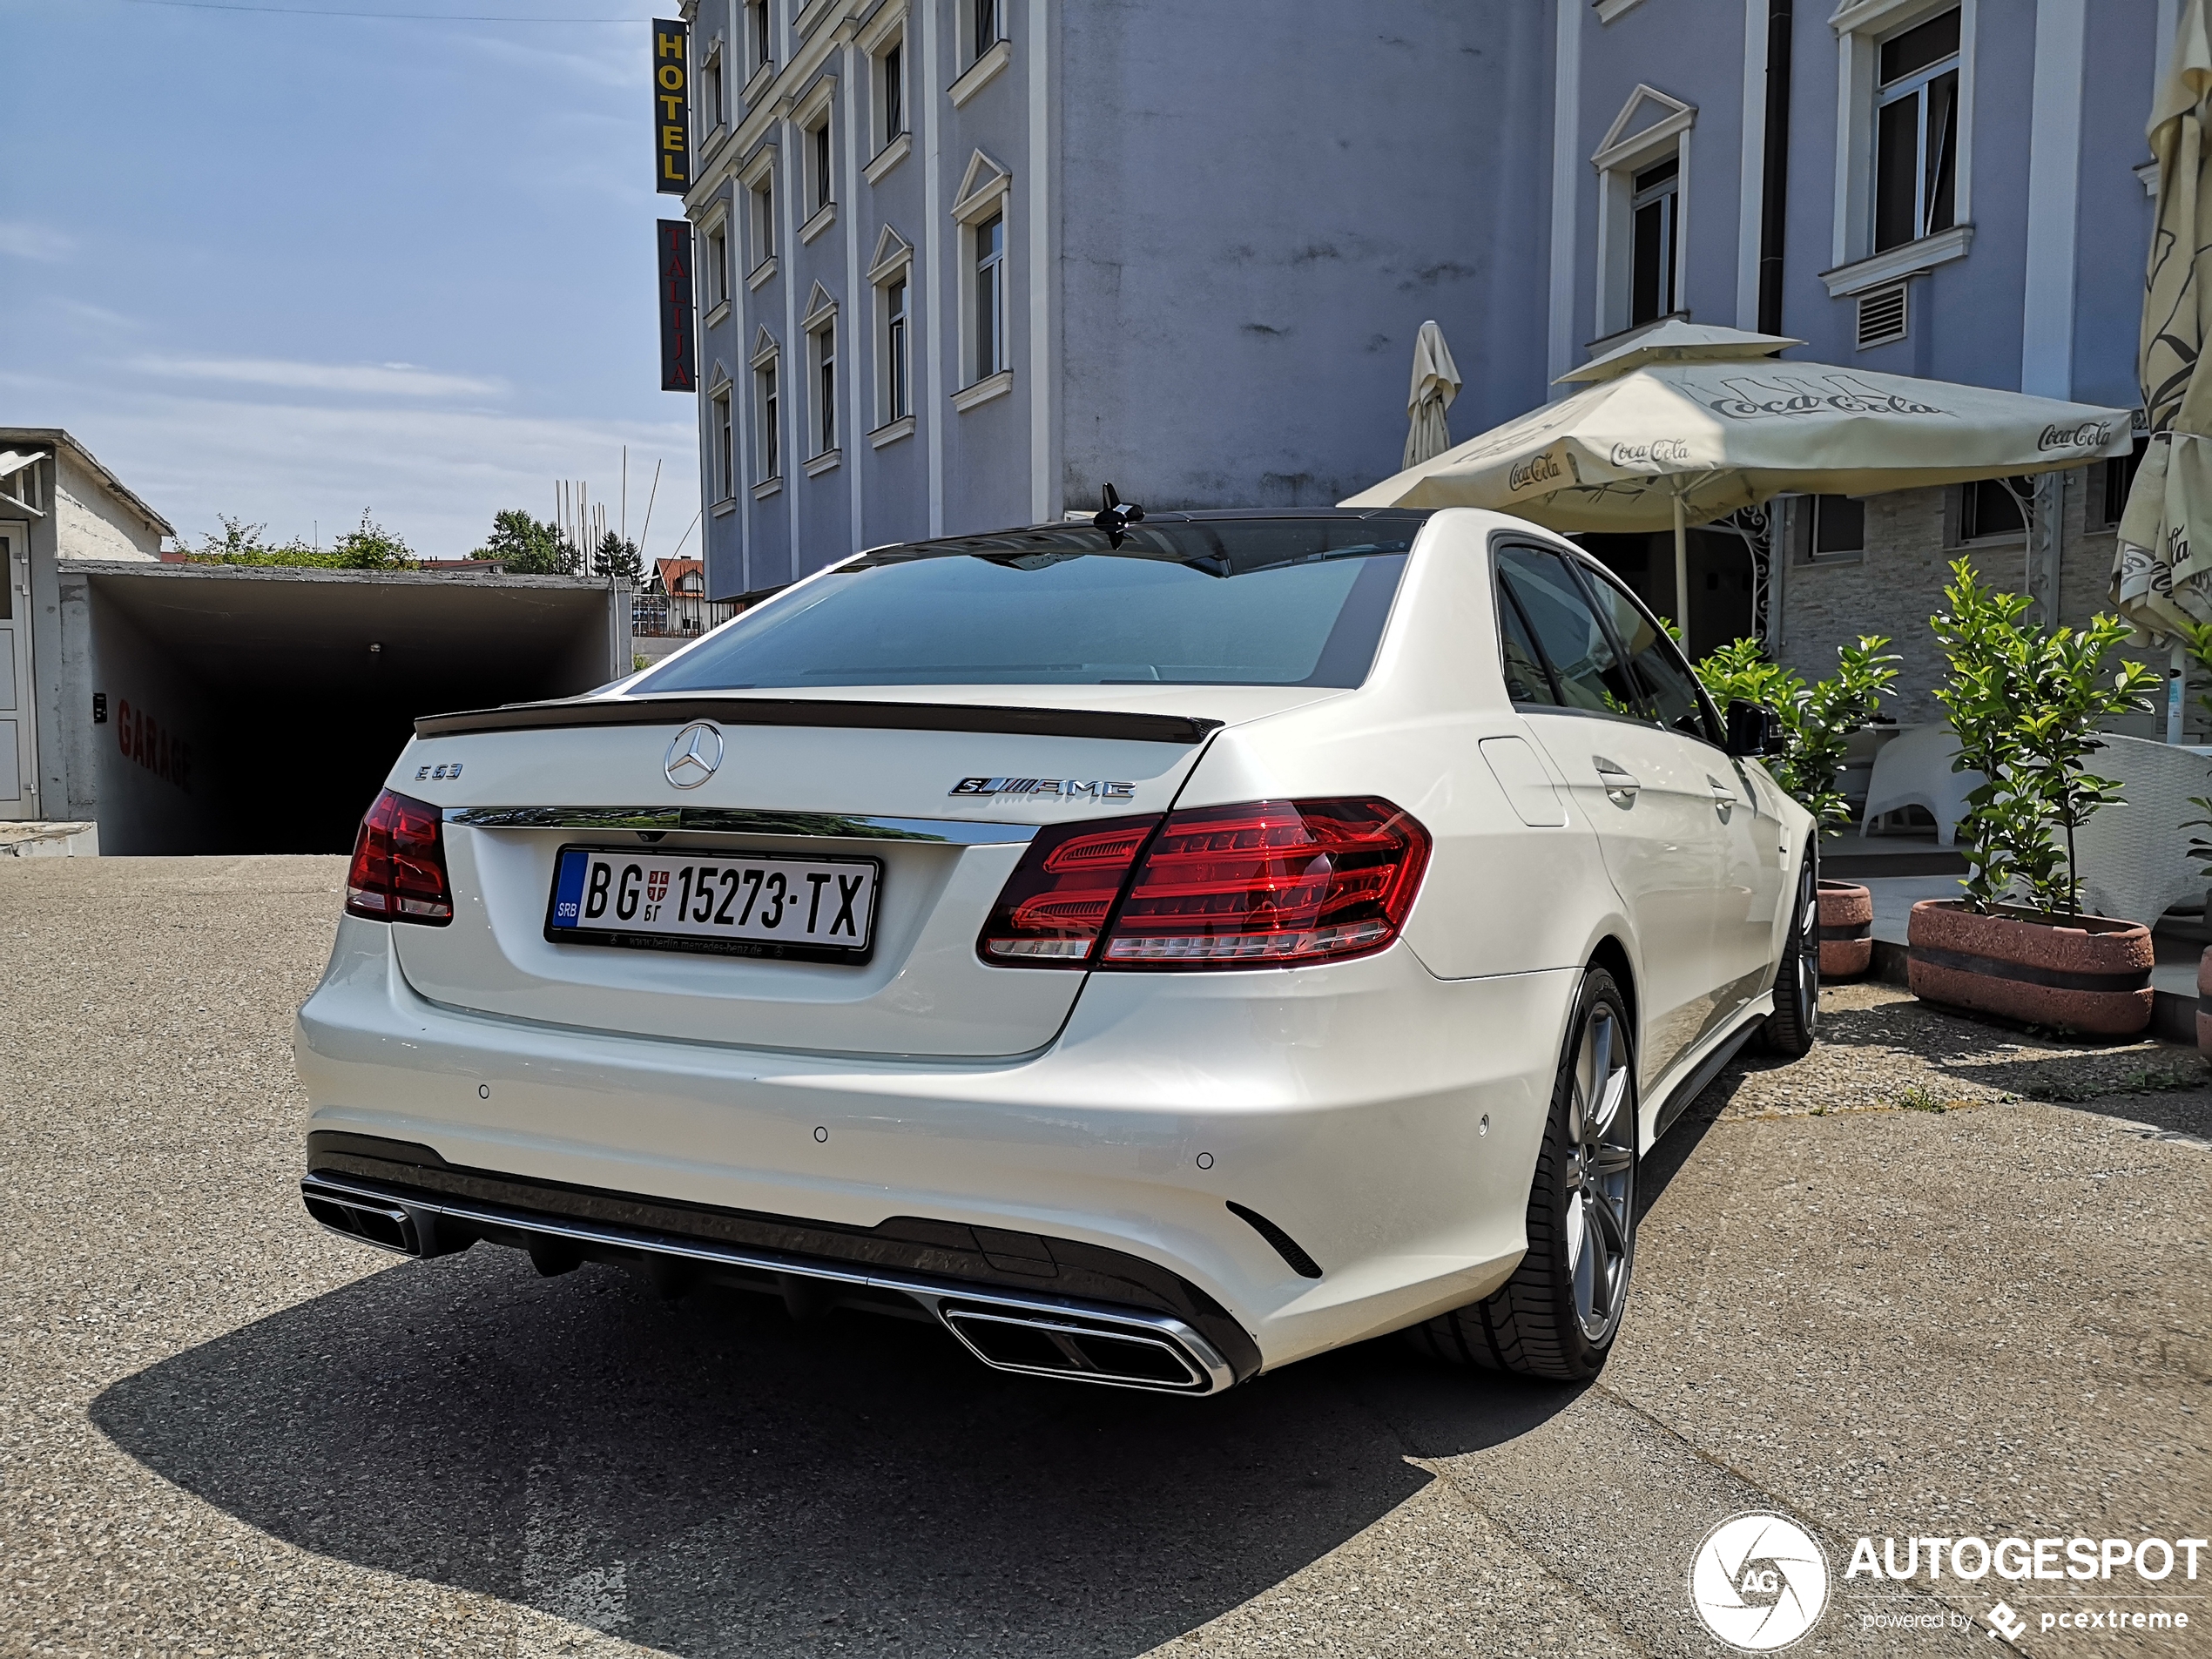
(708, 1479)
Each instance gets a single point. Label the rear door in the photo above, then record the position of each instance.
(1744, 828)
(1638, 784)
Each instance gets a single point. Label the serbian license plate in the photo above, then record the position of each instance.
(740, 904)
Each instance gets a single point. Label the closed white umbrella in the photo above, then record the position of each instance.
(1690, 421)
(2161, 573)
(1436, 382)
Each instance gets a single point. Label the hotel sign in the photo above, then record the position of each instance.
(671, 107)
(676, 373)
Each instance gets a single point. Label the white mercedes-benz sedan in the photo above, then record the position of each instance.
(1155, 951)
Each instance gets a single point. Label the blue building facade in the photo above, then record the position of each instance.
(965, 261)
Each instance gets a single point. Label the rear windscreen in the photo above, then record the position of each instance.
(1245, 602)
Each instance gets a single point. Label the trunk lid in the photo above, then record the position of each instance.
(947, 814)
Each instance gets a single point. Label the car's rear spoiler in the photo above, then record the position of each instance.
(1120, 725)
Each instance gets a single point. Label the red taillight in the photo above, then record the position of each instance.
(398, 872)
(1268, 882)
(1062, 892)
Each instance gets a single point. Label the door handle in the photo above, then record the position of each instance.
(1620, 786)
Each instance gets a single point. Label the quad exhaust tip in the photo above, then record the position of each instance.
(1032, 1336)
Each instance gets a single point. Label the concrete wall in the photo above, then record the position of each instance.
(91, 522)
(158, 763)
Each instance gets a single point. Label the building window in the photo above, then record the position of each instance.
(824, 347)
(718, 264)
(985, 31)
(895, 360)
(2118, 477)
(1916, 133)
(764, 218)
(1990, 508)
(770, 409)
(990, 297)
(756, 24)
(711, 110)
(725, 472)
(1653, 216)
(891, 91)
(818, 191)
(1838, 526)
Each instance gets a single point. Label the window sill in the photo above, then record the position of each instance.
(1891, 263)
(891, 431)
(984, 390)
(768, 487)
(761, 275)
(825, 216)
(716, 313)
(1608, 9)
(762, 77)
(724, 508)
(1821, 561)
(980, 74)
(810, 16)
(825, 461)
(889, 157)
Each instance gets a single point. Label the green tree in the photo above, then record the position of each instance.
(372, 548)
(615, 556)
(242, 543)
(1817, 720)
(528, 548)
(2026, 702)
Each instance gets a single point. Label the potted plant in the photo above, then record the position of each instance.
(1814, 724)
(2026, 702)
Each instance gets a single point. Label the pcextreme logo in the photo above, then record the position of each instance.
(1759, 1581)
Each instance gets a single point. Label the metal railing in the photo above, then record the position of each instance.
(662, 615)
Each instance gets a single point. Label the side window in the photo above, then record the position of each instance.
(1526, 680)
(1668, 685)
(1584, 666)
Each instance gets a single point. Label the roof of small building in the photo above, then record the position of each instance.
(53, 437)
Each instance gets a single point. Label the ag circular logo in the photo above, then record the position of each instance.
(695, 755)
(1759, 1581)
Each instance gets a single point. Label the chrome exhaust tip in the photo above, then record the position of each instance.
(1082, 1348)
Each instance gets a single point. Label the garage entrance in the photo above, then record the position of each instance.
(230, 708)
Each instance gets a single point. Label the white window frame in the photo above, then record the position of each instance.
(986, 192)
(1651, 126)
(815, 174)
(1668, 192)
(757, 181)
(1911, 86)
(715, 233)
(722, 438)
(824, 448)
(768, 396)
(979, 69)
(1860, 29)
(887, 33)
(759, 39)
(714, 112)
(893, 265)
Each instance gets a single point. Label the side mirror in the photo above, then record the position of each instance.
(1752, 729)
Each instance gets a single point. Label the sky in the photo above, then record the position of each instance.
(297, 267)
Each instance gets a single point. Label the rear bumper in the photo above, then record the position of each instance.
(1380, 1121)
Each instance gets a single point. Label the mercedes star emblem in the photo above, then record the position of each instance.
(695, 755)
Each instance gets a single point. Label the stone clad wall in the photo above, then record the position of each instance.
(1896, 584)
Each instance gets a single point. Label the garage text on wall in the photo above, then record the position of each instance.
(145, 739)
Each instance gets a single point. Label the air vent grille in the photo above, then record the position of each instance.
(1881, 316)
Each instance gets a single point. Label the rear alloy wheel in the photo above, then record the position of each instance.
(1789, 1030)
(1556, 1317)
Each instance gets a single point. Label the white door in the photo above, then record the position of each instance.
(18, 745)
(1641, 785)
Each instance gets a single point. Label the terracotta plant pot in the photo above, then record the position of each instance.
(2084, 973)
(1846, 930)
(2204, 1004)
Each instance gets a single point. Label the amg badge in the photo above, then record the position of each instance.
(1065, 787)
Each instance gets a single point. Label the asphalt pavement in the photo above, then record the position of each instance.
(1940, 1279)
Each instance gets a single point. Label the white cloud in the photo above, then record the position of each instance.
(388, 380)
(432, 476)
(24, 241)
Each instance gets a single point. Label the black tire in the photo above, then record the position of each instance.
(1548, 1321)
(1790, 1029)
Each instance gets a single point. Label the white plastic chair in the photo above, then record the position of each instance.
(2134, 857)
(1914, 770)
